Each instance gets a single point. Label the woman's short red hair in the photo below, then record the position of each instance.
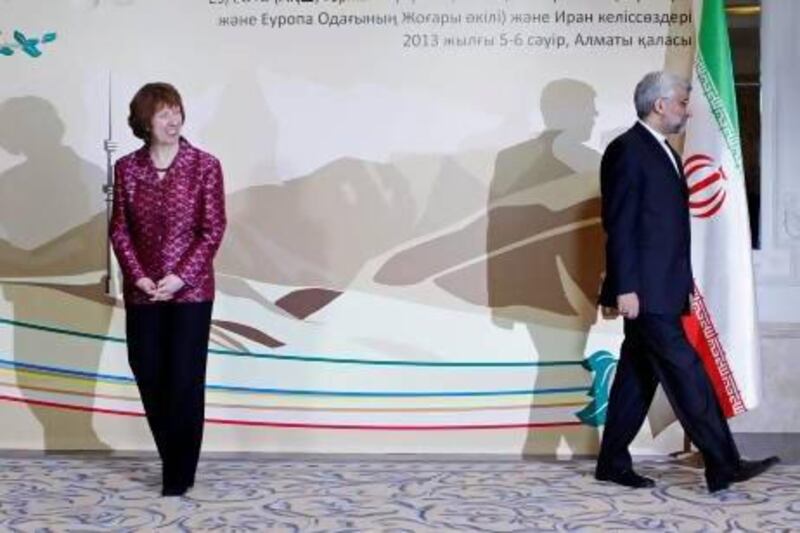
(146, 103)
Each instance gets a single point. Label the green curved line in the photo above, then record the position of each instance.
(309, 358)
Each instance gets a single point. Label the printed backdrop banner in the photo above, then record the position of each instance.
(414, 247)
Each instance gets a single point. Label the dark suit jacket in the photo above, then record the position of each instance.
(645, 216)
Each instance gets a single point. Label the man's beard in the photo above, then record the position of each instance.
(674, 129)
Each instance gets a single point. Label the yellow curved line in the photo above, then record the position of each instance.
(96, 388)
(50, 376)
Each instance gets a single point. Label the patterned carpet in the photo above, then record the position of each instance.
(381, 494)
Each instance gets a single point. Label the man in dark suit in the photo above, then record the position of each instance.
(648, 281)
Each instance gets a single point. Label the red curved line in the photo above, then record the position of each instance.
(702, 184)
(688, 171)
(43, 403)
(298, 425)
(703, 203)
(714, 209)
(696, 157)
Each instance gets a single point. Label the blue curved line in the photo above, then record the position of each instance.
(302, 392)
(313, 358)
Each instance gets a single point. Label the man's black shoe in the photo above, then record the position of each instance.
(718, 485)
(746, 470)
(627, 478)
(750, 469)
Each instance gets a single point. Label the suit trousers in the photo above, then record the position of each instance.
(167, 352)
(656, 350)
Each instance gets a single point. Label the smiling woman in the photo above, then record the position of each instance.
(167, 224)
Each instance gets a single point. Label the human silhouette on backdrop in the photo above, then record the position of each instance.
(534, 256)
(52, 223)
(557, 276)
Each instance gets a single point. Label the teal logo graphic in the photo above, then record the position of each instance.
(602, 364)
(28, 45)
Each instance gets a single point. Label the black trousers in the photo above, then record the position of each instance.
(167, 351)
(655, 350)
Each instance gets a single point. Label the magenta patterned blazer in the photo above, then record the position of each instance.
(172, 225)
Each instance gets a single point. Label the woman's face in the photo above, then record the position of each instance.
(165, 126)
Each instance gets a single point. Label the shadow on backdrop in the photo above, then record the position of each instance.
(316, 232)
(52, 224)
(551, 258)
(535, 256)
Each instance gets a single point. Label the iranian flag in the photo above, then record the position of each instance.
(722, 325)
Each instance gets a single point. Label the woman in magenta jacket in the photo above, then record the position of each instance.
(167, 224)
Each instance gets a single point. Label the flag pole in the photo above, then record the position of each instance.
(109, 146)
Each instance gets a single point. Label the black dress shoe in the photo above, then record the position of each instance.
(627, 478)
(750, 469)
(718, 485)
(746, 470)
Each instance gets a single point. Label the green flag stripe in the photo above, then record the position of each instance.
(716, 54)
(727, 128)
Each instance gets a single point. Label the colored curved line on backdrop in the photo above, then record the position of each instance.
(298, 425)
(452, 404)
(308, 392)
(301, 408)
(307, 358)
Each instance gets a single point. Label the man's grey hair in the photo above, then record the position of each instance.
(655, 85)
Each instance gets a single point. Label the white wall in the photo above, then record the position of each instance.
(778, 262)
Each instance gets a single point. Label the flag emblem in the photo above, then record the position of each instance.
(706, 181)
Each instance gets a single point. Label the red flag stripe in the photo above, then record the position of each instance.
(694, 332)
(703, 337)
